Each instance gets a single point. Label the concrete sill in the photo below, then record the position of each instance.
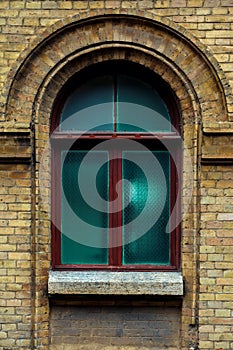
(115, 283)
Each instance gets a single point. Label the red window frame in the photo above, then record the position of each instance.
(58, 141)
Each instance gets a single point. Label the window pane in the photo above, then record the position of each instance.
(90, 106)
(75, 208)
(153, 247)
(140, 107)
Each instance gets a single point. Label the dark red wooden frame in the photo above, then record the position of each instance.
(58, 138)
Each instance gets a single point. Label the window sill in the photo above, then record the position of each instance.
(115, 283)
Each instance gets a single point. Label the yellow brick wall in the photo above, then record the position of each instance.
(23, 25)
(216, 288)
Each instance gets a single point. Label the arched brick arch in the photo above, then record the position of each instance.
(170, 42)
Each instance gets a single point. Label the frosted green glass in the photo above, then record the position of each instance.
(90, 106)
(73, 252)
(153, 247)
(140, 107)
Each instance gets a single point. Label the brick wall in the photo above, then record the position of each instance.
(24, 219)
(216, 297)
(115, 327)
(15, 238)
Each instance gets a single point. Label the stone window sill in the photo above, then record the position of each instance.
(115, 283)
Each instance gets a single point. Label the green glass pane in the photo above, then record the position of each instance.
(140, 107)
(75, 206)
(90, 106)
(153, 247)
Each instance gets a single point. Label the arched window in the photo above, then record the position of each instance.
(114, 181)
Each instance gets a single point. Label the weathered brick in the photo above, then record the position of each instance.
(4, 4)
(112, 3)
(194, 3)
(178, 3)
(65, 4)
(17, 4)
(31, 21)
(33, 4)
(80, 5)
(49, 4)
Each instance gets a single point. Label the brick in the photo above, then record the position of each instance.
(2, 21)
(9, 13)
(225, 216)
(112, 3)
(215, 257)
(129, 4)
(4, 4)
(47, 21)
(80, 5)
(205, 26)
(206, 296)
(33, 4)
(14, 21)
(206, 345)
(207, 281)
(228, 274)
(225, 281)
(145, 4)
(178, 3)
(17, 4)
(203, 11)
(9, 327)
(97, 4)
(207, 328)
(228, 3)
(49, 4)
(222, 313)
(31, 21)
(8, 247)
(219, 34)
(8, 343)
(65, 4)
(194, 3)
(19, 256)
(211, 3)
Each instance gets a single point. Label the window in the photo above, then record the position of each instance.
(114, 181)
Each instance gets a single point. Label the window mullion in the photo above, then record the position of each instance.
(113, 210)
(115, 216)
(119, 213)
(115, 87)
(111, 216)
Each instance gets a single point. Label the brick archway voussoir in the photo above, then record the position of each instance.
(121, 29)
